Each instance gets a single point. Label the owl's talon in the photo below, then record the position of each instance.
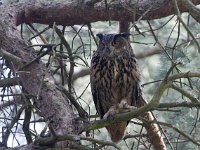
(124, 106)
(111, 113)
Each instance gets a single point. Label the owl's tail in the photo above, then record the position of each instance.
(116, 131)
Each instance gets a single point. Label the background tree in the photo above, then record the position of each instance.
(46, 48)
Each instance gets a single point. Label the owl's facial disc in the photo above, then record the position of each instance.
(121, 35)
(120, 42)
(113, 42)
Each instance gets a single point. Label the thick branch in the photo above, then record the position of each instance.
(125, 116)
(150, 106)
(75, 12)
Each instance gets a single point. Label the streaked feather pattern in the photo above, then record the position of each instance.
(114, 77)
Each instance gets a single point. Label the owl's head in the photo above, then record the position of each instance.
(116, 43)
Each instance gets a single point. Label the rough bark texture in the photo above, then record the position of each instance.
(76, 12)
(51, 103)
(152, 129)
(124, 27)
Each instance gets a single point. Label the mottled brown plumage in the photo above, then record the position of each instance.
(114, 79)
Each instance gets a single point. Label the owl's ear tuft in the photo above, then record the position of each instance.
(115, 37)
(125, 35)
(100, 36)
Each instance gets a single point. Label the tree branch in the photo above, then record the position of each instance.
(184, 24)
(148, 107)
(35, 78)
(193, 10)
(75, 12)
(10, 82)
(182, 104)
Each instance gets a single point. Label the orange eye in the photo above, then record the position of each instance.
(114, 42)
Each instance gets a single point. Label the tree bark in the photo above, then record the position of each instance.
(152, 129)
(76, 12)
(35, 78)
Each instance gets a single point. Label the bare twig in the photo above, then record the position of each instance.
(10, 126)
(39, 33)
(185, 93)
(174, 105)
(185, 26)
(70, 55)
(9, 82)
(81, 111)
(26, 122)
(50, 140)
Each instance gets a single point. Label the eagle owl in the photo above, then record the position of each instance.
(114, 79)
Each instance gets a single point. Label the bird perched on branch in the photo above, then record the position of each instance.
(114, 80)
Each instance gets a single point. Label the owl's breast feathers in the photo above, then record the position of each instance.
(112, 79)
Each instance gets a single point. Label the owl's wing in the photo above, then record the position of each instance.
(135, 94)
(95, 84)
(135, 75)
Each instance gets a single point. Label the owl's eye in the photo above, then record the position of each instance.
(113, 43)
(115, 39)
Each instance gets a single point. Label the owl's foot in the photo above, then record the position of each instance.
(124, 106)
(111, 112)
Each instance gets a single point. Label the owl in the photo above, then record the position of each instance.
(114, 79)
